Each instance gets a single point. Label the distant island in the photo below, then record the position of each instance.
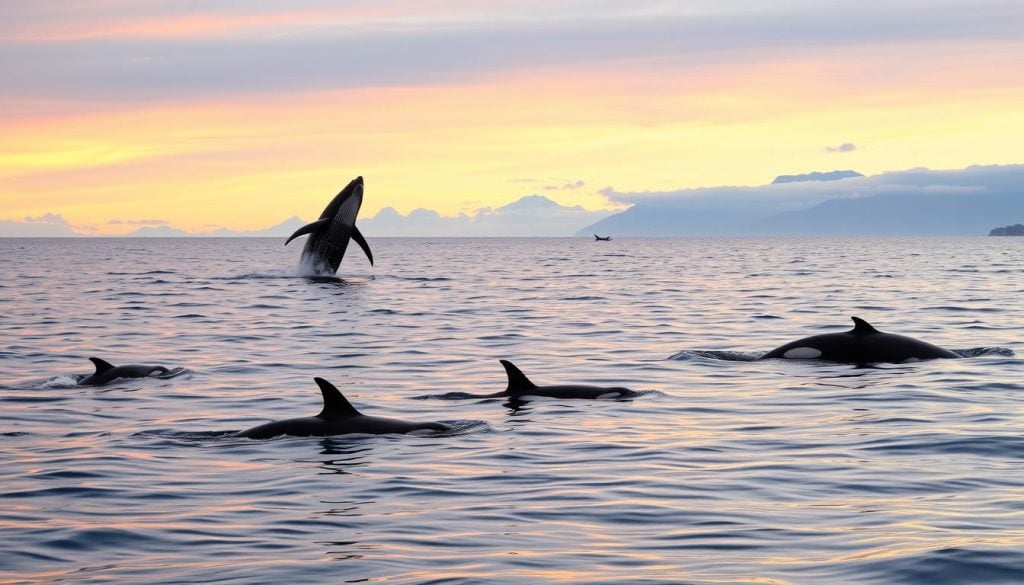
(1010, 230)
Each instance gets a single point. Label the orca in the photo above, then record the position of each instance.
(105, 372)
(338, 417)
(329, 235)
(861, 345)
(519, 385)
(598, 238)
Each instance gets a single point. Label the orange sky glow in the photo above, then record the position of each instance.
(461, 131)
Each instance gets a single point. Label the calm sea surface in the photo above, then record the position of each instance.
(725, 471)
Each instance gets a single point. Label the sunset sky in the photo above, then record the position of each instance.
(204, 115)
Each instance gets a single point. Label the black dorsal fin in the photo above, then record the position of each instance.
(517, 380)
(358, 237)
(101, 365)
(335, 404)
(308, 228)
(862, 327)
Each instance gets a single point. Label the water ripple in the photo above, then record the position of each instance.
(724, 470)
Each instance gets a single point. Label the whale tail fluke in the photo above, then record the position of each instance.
(517, 380)
(101, 365)
(335, 403)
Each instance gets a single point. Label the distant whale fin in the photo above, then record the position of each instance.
(862, 327)
(308, 228)
(334, 403)
(358, 237)
(101, 365)
(517, 380)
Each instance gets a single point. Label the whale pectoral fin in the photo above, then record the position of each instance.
(358, 237)
(335, 404)
(308, 228)
(101, 365)
(518, 383)
(862, 327)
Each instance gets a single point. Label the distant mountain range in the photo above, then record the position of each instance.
(839, 203)
(836, 203)
(281, 230)
(531, 215)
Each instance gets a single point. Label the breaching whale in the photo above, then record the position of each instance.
(105, 372)
(861, 345)
(329, 235)
(338, 417)
(519, 385)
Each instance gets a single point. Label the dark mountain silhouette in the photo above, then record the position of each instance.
(1010, 230)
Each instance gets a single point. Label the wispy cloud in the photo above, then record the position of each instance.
(844, 147)
(570, 186)
(138, 222)
(435, 46)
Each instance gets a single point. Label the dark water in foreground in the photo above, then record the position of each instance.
(728, 471)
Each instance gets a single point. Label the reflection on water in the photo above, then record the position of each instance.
(724, 470)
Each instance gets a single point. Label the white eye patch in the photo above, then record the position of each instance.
(802, 353)
(609, 395)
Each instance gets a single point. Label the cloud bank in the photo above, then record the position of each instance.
(919, 201)
(224, 49)
(49, 225)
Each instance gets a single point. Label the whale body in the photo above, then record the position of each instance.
(519, 385)
(338, 417)
(105, 372)
(861, 345)
(329, 235)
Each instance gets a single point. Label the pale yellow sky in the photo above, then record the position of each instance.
(472, 126)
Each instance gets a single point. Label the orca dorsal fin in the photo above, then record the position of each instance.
(358, 237)
(517, 380)
(308, 228)
(862, 327)
(101, 365)
(335, 404)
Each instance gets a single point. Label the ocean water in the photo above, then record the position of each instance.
(724, 470)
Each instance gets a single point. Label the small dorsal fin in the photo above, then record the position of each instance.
(308, 228)
(517, 380)
(862, 327)
(335, 404)
(101, 365)
(358, 237)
